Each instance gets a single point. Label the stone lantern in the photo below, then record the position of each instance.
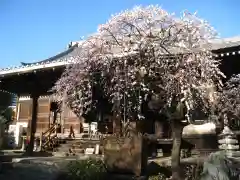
(228, 141)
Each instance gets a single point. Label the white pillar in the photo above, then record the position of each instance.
(97, 149)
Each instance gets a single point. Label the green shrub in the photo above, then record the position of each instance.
(90, 169)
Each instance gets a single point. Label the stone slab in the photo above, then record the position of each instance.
(89, 151)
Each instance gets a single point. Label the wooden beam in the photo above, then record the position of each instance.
(24, 84)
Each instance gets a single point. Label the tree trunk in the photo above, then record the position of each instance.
(177, 129)
(159, 128)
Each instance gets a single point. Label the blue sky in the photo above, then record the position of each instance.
(32, 30)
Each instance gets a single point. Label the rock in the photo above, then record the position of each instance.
(207, 128)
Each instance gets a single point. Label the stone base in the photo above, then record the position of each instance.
(126, 177)
(60, 154)
(233, 154)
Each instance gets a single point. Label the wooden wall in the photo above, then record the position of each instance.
(43, 114)
(68, 118)
(24, 110)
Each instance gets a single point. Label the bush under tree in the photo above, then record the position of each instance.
(88, 169)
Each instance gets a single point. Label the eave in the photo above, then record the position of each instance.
(226, 47)
(28, 69)
(60, 60)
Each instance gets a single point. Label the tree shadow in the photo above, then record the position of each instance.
(37, 154)
(155, 169)
(30, 171)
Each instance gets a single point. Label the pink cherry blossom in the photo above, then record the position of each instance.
(139, 52)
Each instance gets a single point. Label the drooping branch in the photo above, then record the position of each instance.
(169, 48)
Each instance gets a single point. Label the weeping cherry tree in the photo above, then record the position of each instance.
(142, 52)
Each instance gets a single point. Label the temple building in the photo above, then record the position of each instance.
(31, 83)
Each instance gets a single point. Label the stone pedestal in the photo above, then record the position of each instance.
(202, 137)
(229, 143)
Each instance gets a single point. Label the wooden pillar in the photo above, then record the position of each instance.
(33, 124)
(17, 109)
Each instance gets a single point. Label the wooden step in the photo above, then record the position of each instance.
(66, 146)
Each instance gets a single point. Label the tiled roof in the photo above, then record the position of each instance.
(226, 43)
(60, 59)
(57, 57)
(67, 57)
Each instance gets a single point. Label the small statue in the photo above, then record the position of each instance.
(228, 141)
